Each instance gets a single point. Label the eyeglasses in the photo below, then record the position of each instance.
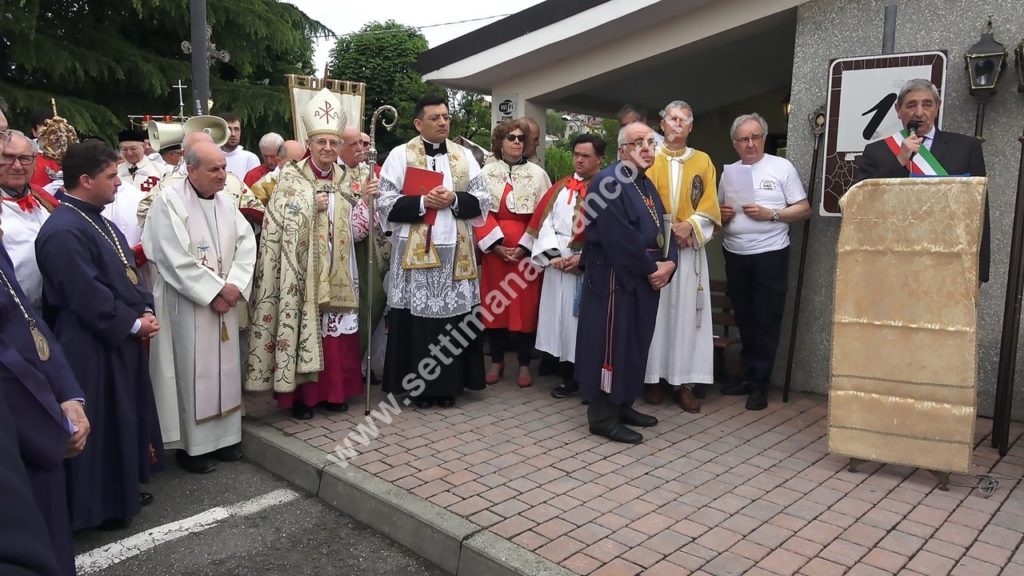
(7, 159)
(649, 143)
(516, 138)
(748, 139)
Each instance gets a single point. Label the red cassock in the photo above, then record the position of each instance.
(507, 278)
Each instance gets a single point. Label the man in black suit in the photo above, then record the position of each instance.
(47, 418)
(958, 155)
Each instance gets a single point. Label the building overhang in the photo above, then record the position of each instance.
(591, 56)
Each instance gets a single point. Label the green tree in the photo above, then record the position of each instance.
(381, 54)
(471, 116)
(558, 162)
(555, 125)
(105, 60)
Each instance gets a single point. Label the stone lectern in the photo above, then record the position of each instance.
(904, 329)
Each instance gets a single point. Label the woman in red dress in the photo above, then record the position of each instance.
(509, 283)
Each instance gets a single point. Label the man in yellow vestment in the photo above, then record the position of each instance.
(682, 351)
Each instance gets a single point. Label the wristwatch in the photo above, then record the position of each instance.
(775, 215)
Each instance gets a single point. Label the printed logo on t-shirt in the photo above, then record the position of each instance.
(767, 184)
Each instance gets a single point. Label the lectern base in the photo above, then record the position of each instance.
(942, 477)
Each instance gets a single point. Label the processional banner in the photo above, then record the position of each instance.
(303, 88)
(904, 334)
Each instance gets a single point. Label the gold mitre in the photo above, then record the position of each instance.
(324, 114)
(55, 135)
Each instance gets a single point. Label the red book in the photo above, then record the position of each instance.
(419, 182)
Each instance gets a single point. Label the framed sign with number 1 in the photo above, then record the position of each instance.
(861, 109)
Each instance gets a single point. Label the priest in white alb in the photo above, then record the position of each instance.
(205, 253)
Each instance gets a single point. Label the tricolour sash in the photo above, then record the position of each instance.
(923, 163)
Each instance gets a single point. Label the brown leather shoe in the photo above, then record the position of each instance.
(654, 394)
(686, 400)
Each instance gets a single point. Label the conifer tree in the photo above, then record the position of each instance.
(105, 59)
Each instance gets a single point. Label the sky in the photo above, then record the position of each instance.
(348, 16)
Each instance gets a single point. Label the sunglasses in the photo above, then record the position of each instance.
(515, 137)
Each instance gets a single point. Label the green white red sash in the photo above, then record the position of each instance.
(923, 163)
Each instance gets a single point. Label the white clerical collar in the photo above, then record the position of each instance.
(434, 149)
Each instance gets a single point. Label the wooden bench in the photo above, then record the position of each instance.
(725, 330)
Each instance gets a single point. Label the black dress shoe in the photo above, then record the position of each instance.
(115, 524)
(195, 464)
(423, 403)
(566, 389)
(758, 398)
(627, 415)
(618, 433)
(736, 389)
(145, 498)
(701, 390)
(337, 406)
(229, 453)
(301, 412)
(446, 402)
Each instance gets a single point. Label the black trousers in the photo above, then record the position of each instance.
(498, 338)
(757, 287)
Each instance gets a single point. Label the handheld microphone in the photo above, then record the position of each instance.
(912, 127)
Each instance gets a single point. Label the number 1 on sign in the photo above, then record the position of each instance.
(881, 110)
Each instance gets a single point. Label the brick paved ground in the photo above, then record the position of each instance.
(723, 492)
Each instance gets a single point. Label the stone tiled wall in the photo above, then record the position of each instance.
(828, 29)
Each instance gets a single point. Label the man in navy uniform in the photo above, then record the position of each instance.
(101, 314)
(46, 422)
(627, 258)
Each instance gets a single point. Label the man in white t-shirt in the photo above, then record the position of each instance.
(240, 160)
(756, 248)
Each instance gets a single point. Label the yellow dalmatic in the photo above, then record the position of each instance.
(687, 183)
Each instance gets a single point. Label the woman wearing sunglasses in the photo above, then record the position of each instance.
(510, 284)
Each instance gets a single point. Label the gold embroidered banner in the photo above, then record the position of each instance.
(303, 88)
(904, 335)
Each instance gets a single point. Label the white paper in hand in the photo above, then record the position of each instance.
(738, 185)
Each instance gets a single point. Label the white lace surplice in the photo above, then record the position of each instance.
(429, 292)
(338, 323)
